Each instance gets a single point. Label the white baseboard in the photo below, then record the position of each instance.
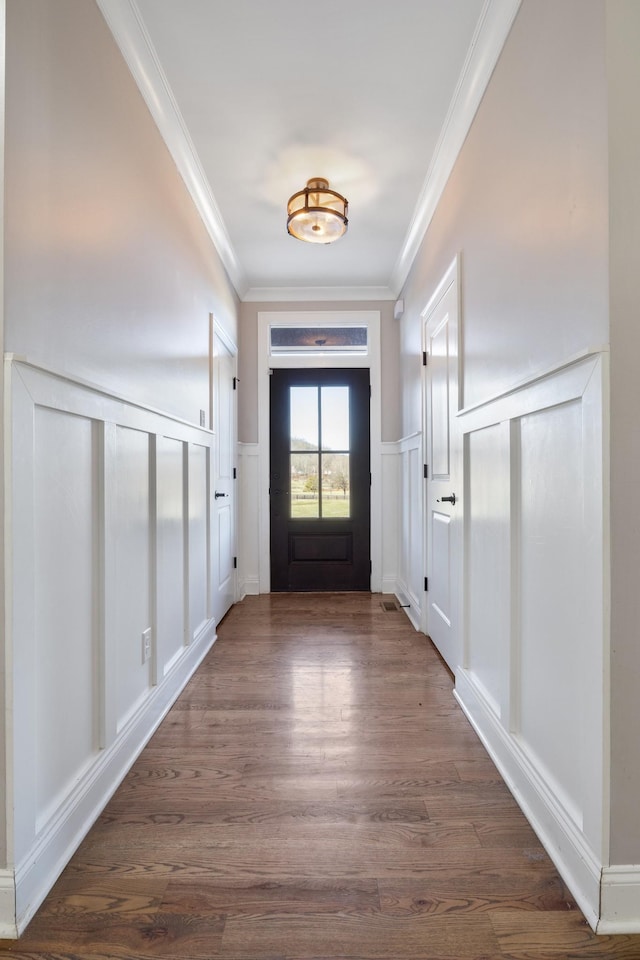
(249, 588)
(60, 838)
(408, 604)
(8, 926)
(388, 585)
(561, 838)
(620, 900)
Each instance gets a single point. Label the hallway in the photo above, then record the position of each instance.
(315, 792)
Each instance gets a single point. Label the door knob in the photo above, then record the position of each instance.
(218, 495)
(451, 499)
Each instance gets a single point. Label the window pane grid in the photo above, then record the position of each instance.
(319, 454)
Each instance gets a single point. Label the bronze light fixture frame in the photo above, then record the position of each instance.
(317, 214)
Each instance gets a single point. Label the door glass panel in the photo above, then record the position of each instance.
(335, 485)
(335, 418)
(319, 452)
(303, 404)
(305, 495)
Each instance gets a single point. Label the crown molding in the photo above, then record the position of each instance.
(491, 33)
(127, 26)
(312, 294)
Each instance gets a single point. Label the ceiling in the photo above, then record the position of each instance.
(254, 97)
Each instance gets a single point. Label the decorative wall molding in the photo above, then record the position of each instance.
(127, 26)
(390, 454)
(319, 294)
(248, 519)
(620, 899)
(485, 49)
(8, 925)
(127, 490)
(38, 872)
(526, 642)
(410, 576)
(573, 857)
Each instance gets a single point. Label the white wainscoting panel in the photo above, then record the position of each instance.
(553, 625)
(534, 679)
(108, 509)
(411, 565)
(390, 516)
(488, 576)
(248, 519)
(170, 538)
(131, 533)
(199, 516)
(65, 603)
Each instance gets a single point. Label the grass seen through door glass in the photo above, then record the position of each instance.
(331, 508)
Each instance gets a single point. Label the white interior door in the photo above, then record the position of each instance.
(224, 507)
(444, 482)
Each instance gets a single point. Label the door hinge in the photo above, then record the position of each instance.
(370, 566)
(370, 481)
(370, 393)
(235, 563)
(426, 471)
(426, 584)
(235, 474)
(424, 358)
(235, 383)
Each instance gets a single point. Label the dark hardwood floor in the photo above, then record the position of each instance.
(315, 792)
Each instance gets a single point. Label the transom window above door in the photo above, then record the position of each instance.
(312, 341)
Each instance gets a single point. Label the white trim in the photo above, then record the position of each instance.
(541, 374)
(57, 842)
(452, 277)
(573, 828)
(34, 364)
(8, 926)
(564, 843)
(50, 835)
(127, 26)
(486, 46)
(225, 337)
(309, 294)
(248, 501)
(620, 899)
(370, 318)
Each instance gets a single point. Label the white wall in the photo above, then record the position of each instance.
(110, 281)
(623, 64)
(526, 208)
(110, 274)
(108, 501)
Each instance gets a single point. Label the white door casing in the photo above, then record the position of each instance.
(223, 511)
(444, 487)
(266, 361)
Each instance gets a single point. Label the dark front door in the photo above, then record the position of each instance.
(320, 480)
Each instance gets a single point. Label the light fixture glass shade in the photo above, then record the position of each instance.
(317, 214)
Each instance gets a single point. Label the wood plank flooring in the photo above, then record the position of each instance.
(315, 793)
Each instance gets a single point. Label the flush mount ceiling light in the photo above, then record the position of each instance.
(317, 214)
